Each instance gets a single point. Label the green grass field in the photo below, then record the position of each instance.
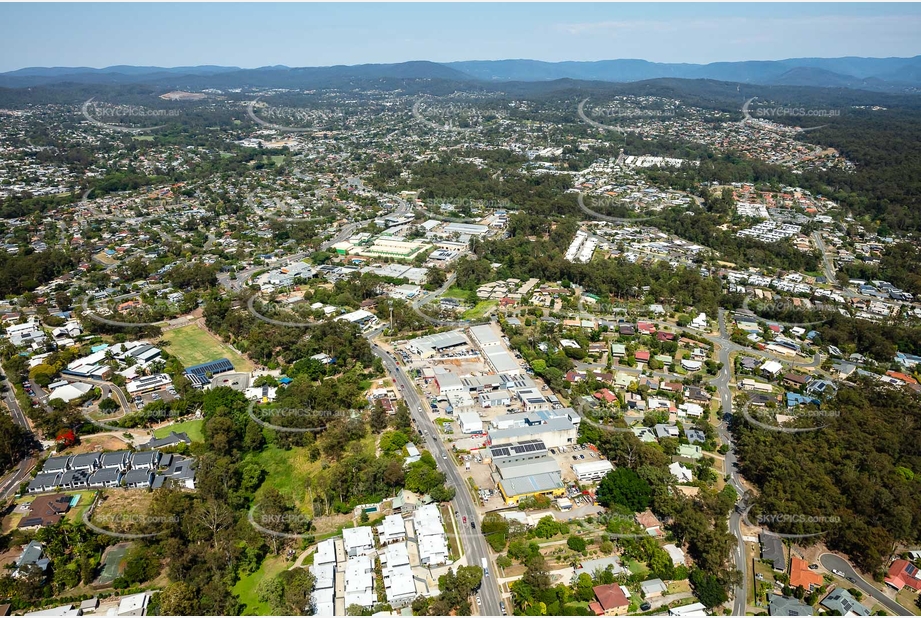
(290, 471)
(247, 587)
(194, 346)
(479, 310)
(192, 428)
(456, 292)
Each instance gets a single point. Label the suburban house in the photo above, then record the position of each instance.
(801, 575)
(610, 600)
(650, 523)
(779, 605)
(772, 551)
(45, 511)
(903, 574)
(844, 603)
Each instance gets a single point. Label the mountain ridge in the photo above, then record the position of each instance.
(892, 74)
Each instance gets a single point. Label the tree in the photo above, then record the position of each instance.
(624, 487)
(707, 588)
(108, 405)
(177, 599)
(378, 420)
(576, 543)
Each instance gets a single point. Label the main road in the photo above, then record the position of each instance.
(474, 542)
(10, 484)
(721, 382)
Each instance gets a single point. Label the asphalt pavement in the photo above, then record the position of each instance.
(474, 542)
(835, 562)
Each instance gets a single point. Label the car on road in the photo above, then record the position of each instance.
(473, 525)
(838, 573)
(465, 519)
(444, 455)
(853, 580)
(478, 601)
(502, 607)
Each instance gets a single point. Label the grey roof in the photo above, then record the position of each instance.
(86, 460)
(32, 554)
(528, 467)
(842, 600)
(170, 440)
(114, 458)
(547, 481)
(137, 476)
(45, 479)
(772, 549)
(695, 435)
(786, 606)
(58, 464)
(144, 458)
(105, 475)
(74, 477)
(652, 586)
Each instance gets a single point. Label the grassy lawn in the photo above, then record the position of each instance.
(455, 292)
(278, 159)
(192, 428)
(247, 587)
(480, 309)
(291, 471)
(905, 598)
(193, 346)
(144, 138)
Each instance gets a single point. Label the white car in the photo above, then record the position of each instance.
(837, 572)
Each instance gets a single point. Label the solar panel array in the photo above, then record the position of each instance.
(216, 366)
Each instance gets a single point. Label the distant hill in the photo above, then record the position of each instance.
(893, 75)
(883, 74)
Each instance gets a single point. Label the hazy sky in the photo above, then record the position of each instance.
(252, 35)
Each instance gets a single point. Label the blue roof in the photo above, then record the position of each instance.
(795, 399)
(216, 366)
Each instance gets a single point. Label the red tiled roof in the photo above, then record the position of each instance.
(610, 596)
(903, 573)
(800, 575)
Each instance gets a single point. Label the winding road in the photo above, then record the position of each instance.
(835, 562)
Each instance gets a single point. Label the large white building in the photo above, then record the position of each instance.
(591, 470)
(430, 535)
(358, 541)
(359, 582)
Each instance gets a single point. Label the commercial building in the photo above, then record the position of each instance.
(543, 484)
(147, 384)
(555, 428)
(434, 345)
(470, 422)
(591, 470)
